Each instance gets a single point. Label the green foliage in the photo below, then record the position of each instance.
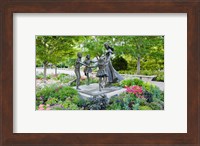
(138, 82)
(84, 82)
(119, 63)
(148, 86)
(145, 108)
(65, 78)
(66, 92)
(126, 101)
(41, 76)
(62, 75)
(127, 82)
(123, 101)
(61, 51)
(131, 72)
(148, 96)
(47, 92)
(159, 74)
(115, 103)
(53, 49)
(156, 106)
(131, 82)
(153, 90)
(69, 105)
(52, 101)
(57, 108)
(96, 103)
(54, 94)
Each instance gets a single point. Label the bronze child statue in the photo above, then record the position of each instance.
(87, 68)
(78, 64)
(101, 73)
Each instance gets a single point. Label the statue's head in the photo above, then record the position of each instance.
(106, 45)
(79, 54)
(88, 56)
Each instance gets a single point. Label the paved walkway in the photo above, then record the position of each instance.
(52, 71)
(71, 72)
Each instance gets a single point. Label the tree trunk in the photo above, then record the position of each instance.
(56, 70)
(138, 65)
(45, 72)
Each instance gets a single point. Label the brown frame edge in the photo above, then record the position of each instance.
(99, 6)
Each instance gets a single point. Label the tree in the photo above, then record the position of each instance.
(94, 45)
(139, 50)
(53, 49)
(140, 47)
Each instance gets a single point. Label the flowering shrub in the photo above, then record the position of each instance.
(136, 90)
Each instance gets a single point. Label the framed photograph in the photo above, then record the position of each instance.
(99, 72)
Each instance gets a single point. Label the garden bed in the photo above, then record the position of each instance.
(139, 95)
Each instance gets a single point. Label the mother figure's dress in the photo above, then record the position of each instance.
(113, 75)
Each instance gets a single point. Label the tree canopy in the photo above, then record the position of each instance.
(141, 52)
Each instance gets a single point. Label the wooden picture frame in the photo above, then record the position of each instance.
(8, 7)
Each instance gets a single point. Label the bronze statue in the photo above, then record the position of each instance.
(101, 73)
(78, 64)
(87, 68)
(113, 75)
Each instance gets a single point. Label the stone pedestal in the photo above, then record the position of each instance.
(93, 90)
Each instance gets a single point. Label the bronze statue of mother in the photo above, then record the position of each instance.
(113, 75)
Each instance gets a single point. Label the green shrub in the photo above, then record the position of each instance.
(148, 96)
(69, 105)
(131, 82)
(115, 103)
(119, 63)
(156, 106)
(138, 82)
(57, 108)
(145, 108)
(52, 101)
(49, 76)
(131, 72)
(159, 76)
(156, 92)
(40, 76)
(124, 101)
(66, 92)
(64, 78)
(148, 86)
(47, 92)
(99, 102)
(53, 93)
(127, 82)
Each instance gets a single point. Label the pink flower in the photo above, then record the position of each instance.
(136, 90)
(41, 108)
(41, 105)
